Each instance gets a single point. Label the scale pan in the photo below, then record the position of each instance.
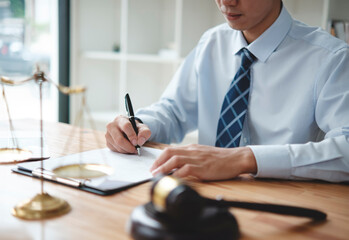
(14, 155)
(83, 171)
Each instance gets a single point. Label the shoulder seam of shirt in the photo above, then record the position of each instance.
(335, 47)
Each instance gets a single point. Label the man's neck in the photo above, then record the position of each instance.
(252, 34)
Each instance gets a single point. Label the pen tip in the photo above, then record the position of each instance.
(139, 151)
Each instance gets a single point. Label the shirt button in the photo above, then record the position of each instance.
(245, 140)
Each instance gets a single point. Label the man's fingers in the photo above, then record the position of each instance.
(188, 170)
(164, 156)
(123, 143)
(115, 148)
(126, 127)
(174, 162)
(170, 152)
(144, 133)
(109, 141)
(119, 143)
(115, 136)
(121, 137)
(183, 167)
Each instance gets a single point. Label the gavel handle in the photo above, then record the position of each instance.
(272, 208)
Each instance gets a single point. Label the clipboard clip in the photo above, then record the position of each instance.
(39, 172)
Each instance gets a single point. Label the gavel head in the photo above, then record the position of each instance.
(177, 200)
(176, 211)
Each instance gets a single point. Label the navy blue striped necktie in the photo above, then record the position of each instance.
(235, 103)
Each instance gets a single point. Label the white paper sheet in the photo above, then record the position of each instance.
(127, 168)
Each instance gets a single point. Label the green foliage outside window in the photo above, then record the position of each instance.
(17, 8)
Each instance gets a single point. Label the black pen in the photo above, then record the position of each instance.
(131, 117)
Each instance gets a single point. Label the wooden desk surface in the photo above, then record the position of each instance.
(105, 217)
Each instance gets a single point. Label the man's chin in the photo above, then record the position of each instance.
(236, 26)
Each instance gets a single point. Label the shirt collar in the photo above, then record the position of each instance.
(266, 43)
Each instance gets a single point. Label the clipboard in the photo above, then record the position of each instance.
(128, 170)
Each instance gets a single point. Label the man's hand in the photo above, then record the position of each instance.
(205, 162)
(122, 138)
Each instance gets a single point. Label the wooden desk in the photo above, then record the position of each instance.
(98, 217)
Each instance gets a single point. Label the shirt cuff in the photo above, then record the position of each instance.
(273, 161)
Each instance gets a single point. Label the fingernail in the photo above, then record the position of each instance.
(155, 171)
(152, 167)
(141, 141)
(134, 142)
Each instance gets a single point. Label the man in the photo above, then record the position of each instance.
(285, 93)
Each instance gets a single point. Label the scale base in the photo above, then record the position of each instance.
(41, 206)
(214, 223)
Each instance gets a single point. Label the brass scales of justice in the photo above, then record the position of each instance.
(43, 205)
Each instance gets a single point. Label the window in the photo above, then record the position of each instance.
(29, 38)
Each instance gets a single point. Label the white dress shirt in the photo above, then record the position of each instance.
(297, 123)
